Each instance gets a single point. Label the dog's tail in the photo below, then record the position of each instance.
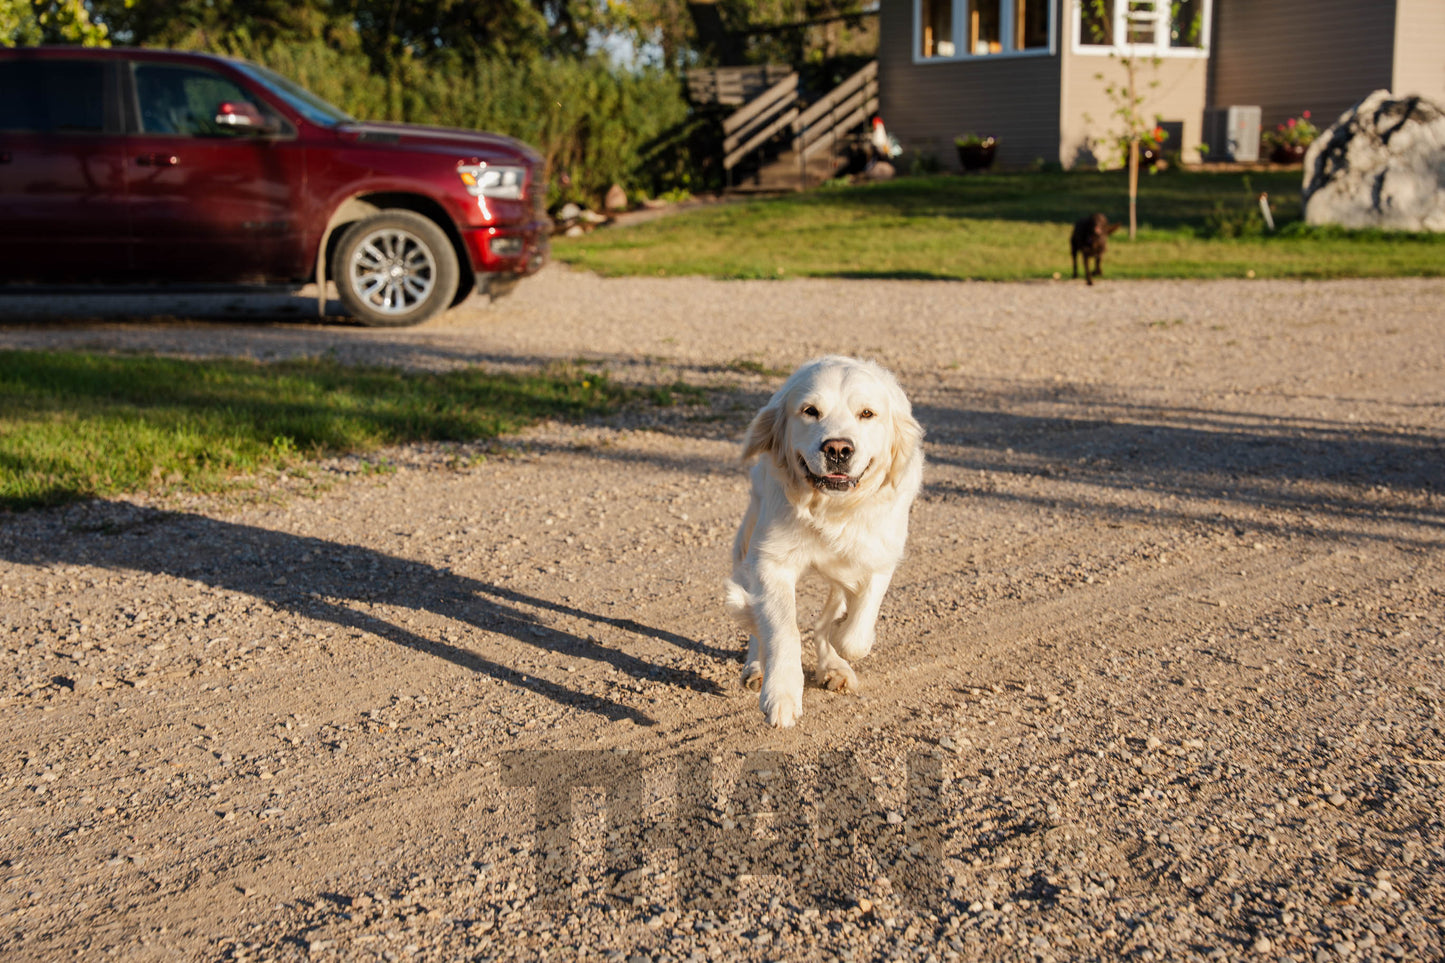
(739, 604)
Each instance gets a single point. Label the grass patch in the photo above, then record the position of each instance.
(76, 425)
(749, 366)
(1006, 227)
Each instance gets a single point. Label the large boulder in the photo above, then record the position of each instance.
(1381, 165)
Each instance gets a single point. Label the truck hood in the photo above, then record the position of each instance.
(441, 139)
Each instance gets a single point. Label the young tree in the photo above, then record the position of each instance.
(1127, 96)
(1128, 107)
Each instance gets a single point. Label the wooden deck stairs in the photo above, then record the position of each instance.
(777, 142)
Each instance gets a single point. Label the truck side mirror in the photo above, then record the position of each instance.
(243, 117)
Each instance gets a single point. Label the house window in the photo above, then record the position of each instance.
(967, 28)
(1031, 24)
(984, 28)
(1096, 23)
(937, 19)
(1186, 24)
(1155, 27)
(1141, 22)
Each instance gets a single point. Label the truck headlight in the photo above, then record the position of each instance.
(492, 180)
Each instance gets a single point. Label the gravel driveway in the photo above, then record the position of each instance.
(1161, 679)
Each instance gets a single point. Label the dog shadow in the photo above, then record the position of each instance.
(334, 582)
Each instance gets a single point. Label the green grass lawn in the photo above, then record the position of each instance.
(77, 425)
(1006, 227)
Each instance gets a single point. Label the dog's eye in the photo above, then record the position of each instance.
(810, 411)
(866, 413)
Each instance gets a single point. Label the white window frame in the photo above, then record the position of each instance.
(1006, 31)
(1159, 48)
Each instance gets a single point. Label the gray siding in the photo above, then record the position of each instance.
(1288, 56)
(1420, 49)
(927, 105)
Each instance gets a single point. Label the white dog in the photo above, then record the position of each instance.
(842, 460)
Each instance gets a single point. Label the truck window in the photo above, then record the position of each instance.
(52, 96)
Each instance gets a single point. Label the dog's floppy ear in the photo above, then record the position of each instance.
(765, 434)
(906, 449)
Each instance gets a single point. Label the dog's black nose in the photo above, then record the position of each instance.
(838, 450)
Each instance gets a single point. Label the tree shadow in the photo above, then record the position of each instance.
(334, 582)
(1343, 474)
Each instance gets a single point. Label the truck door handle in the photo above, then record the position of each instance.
(4, 157)
(158, 160)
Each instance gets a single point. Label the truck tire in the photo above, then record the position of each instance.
(395, 268)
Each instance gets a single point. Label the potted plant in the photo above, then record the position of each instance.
(1288, 142)
(975, 153)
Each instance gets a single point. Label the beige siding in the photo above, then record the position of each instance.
(1173, 90)
(1288, 56)
(927, 105)
(1420, 49)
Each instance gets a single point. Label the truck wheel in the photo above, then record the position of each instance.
(395, 268)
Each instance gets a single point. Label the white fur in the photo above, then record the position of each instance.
(852, 536)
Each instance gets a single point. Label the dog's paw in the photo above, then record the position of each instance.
(839, 677)
(853, 649)
(781, 709)
(781, 698)
(752, 676)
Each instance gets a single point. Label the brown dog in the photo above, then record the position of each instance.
(1091, 238)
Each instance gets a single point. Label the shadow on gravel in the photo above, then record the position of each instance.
(1339, 472)
(159, 304)
(337, 583)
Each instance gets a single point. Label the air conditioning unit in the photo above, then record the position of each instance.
(1234, 134)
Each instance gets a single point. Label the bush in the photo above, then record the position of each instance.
(1234, 222)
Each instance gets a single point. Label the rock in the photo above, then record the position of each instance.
(569, 212)
(880, 171)
(1381, 165)
(616, 199)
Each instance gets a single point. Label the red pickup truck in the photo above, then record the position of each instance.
(149, 166)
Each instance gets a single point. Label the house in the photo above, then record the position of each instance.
(1028, 71)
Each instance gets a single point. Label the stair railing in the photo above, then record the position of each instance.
(845, 107)
(756, 122)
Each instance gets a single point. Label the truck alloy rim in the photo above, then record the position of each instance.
(393, 271)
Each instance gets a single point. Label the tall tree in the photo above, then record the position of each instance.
(25, 22)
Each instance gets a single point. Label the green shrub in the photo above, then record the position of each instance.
(1231, 221)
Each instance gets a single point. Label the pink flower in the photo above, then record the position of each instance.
(1291, 121)
(1306, 115)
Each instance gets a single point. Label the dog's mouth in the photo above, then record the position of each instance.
(831, 482)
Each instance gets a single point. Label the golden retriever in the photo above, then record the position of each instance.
(841, 462)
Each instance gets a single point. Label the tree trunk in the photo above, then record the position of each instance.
(1133, 185)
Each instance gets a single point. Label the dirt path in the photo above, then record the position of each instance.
(1169, 632)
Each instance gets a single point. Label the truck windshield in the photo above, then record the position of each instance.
(303, 101)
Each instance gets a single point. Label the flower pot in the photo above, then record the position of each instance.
(1288, 153)
(977, 157)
